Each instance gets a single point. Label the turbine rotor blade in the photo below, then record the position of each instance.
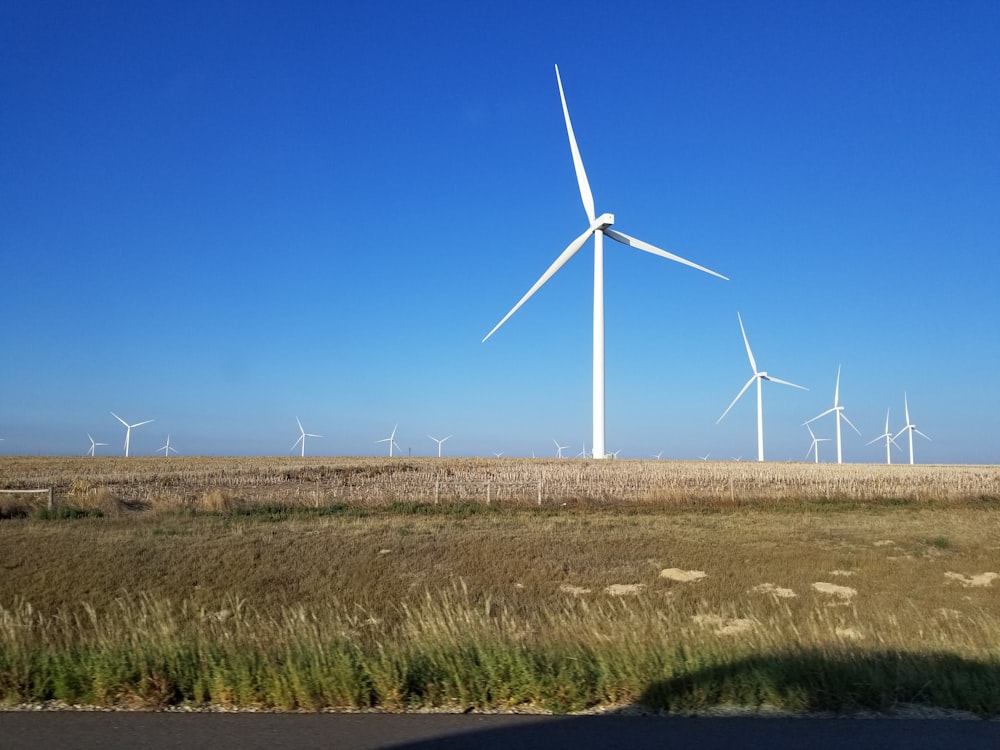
(844, 417)
(568, 253)
(785, 382)
(581, 174)
(640, 245)
(920, 433)
(742, 391)
(126, 423)
(140, 424)
(820, 416)
(836, 391)
(753, 362)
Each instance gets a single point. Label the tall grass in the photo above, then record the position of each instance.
(449, 651)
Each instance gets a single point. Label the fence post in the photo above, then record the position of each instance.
(539, 489)
(50, 498)
(488, 485)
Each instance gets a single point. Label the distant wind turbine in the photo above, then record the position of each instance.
(815, 443)
(889, 439)
(559, 448)
(839, 411)
(391, 440)
(166, 448)
(128, 429)
(93, 445)
(302, 438)
(439, 442)
(910, 427)
(759, 376)
(599, 226)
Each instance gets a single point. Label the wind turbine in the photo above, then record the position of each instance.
(910, 427)
(599, 227)
(889, 439)
(302, 438)
(166, 448)
(815, 443)
(93, 445)
(759, 376)
(436, 441)
(559, 448)
(128, 429)
(391, 440)
(839, 411)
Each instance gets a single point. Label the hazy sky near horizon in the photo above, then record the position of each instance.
(224, 215)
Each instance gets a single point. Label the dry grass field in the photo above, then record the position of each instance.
(497, 584)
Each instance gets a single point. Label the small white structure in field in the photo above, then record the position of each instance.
(391, 440)
(128, 429)
(439, 442)
(838, 410)
(910, 427)
(302, 438)
(93, 445)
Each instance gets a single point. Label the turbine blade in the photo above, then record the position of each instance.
(819, 416)
(581, 175)
(568, 253)
(640, 245)
(880, 437)
(753, 362)
(836, 391)
(742, 391)
(920, 433)
(299, 424)
(785, 382)
(126, 423)
(844, 417)
(140, 424)
(301, 438)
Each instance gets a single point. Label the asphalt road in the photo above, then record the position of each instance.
(75, 730)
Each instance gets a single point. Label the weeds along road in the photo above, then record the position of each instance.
(54, 730)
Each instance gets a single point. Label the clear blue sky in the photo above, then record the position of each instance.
(225, 215)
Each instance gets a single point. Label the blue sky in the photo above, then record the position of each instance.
(225, 215)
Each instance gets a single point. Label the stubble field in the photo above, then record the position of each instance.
(499, 584)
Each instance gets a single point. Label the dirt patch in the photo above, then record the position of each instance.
(683, 576)
(775, 591)
(975, 581)
(574, 590)
(624, 589)
(844, 593)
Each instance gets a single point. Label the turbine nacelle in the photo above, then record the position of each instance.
(602, 222)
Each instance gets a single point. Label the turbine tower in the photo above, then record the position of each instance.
(599, 226)
(302, 438)
(760, 377)
(815, 443)
(889, 439)
(439, 442)
(93, 445)
(839, 411)
(910, 427)
(391, 440)
(128, 429)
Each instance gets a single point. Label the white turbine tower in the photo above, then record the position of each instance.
(439, 442)
(889, 439)
(391, 440)
(302, 438)
(599, 227)
(166, 448)
(128, 429)
(839, 411)
(760, 377)
(815, 443)
(559, 448)
(93, 445)
(910, 427)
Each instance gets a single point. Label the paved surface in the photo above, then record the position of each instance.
(71, 730)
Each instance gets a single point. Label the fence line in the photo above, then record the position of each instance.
(47, 490)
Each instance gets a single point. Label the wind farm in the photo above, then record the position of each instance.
(370, 215)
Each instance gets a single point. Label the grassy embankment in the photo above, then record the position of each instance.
(367, 583)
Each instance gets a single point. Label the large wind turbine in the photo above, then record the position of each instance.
(166, 448)
(391, 440)
(814, 448)
(93, 445)
(128, 429)
(839, 411)
(889, 439)
(910, 427)
(559, 448)
(439, 442)
(302, 438)
(759, 376)
(599, 227)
